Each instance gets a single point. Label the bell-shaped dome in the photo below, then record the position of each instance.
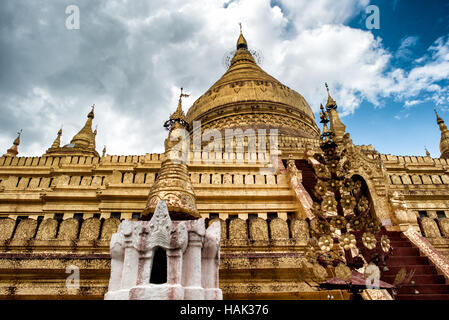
(247, 97)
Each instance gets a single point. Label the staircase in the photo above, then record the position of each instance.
(428, 283)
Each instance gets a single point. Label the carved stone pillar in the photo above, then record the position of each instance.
(191, 268)
(211, 262)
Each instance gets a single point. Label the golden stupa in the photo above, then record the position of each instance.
(247, 97)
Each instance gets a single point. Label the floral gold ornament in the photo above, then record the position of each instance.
(385, 243)
(363, 204)
(333, 164)
(343, 272)
(338, 222)
(347, 241)
(321, 188)
(325, 243)
(372, 226)
(323, 227)
(369, 240)
(321, 171)
(334, 185)
(348, 202)
(357, 223)
(329, 204)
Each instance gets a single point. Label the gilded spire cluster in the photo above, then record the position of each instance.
(83, 143)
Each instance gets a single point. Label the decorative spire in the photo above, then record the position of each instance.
(57, 142)
(444, 141)
(427, 151)
(83, 143)
(85, 137)
(104, 152)
(91, 113)
(241, 42)
(13, 151)
(336, 126)
(331, 104)
(173, 183)
(178, 116)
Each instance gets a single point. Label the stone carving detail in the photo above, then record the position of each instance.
(238, 229)
(110, 226)
(279, 229)
(10, 183)
(416, 179)
(210, 262)
(115, 177)
(68, 230)
(90, 229)
(6, 228)
(405, 217)
(258, 229)
(25, 230)
(444, 226)
(191, 253)
(62, 180)
(47, 230)
(300, 230)
(430, 228)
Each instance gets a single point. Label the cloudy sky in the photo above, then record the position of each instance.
(131, 57)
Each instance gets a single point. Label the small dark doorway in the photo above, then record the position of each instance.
(159, 267)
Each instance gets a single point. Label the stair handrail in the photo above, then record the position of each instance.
(428, 250)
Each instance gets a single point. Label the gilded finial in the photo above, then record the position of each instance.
(427, 151)
(91, 113)
(57, 142)
(331, 104)
(179, 115)
(241, 42)
(104, 151)
(439, 120)
(13, 151)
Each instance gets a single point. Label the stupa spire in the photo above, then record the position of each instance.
(83, 143)
(336, 126)
(85, 137)
(178, 116)
(57, 142)
(331, 104)
(241, 42)
(13, 151)
(173, 183)
(444, 141)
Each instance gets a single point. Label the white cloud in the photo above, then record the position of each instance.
(404, 51)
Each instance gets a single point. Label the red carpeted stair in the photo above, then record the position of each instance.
(429, 284)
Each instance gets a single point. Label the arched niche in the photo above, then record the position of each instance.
(158, 273)
(365, 191)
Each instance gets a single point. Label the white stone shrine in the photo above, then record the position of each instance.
(163, 259)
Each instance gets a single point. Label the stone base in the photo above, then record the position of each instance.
(194, 293)
(213, 294)
(148, 292)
